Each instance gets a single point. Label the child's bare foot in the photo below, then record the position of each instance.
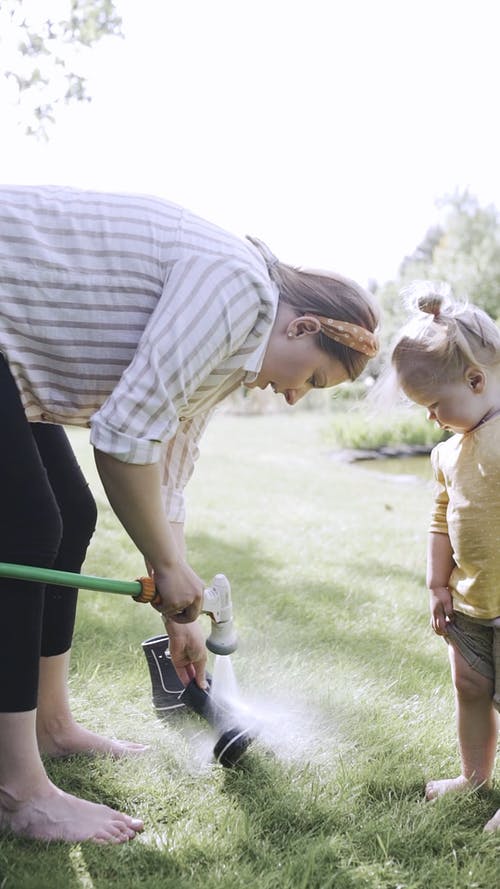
(435, 789)
(67, 737)
(494, 823)
(54, 815)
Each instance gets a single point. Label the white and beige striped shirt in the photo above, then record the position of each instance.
(130, 315)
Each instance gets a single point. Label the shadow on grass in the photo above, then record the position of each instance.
(382, 821)
(281, 829)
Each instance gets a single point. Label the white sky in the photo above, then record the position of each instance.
(326, 127)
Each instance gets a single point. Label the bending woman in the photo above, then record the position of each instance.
(131, 316)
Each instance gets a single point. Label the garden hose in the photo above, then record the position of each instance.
(142, 590)
(217, 601)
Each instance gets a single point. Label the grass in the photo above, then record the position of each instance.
(326, 562)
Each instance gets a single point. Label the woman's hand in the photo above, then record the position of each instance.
(441, 605)
(181, 593)
(188, 651)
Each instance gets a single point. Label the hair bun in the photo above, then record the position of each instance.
(429, 297)
(430, 303)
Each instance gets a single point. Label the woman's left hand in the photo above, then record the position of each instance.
(188, 651)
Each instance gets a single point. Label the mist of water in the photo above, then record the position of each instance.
(282, 721)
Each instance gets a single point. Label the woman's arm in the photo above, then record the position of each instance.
(133, 491)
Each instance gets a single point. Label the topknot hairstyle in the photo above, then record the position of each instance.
(429, 297)
(443, 338)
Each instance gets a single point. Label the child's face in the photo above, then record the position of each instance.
(293, 365)
(457, 406)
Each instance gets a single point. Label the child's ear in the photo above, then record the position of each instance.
(476, 379)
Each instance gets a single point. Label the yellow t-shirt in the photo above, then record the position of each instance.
(467, 508)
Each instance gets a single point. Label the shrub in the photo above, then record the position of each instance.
(360, 429)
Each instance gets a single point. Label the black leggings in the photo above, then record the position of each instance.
(47, 518)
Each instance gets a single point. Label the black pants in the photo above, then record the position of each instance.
(47, 518)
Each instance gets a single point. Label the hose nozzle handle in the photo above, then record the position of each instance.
(217, 603)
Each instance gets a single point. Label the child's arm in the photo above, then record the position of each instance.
(440, 564)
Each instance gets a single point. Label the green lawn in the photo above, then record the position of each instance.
(326, 562)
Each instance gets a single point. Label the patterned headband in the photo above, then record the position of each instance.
(351, 335)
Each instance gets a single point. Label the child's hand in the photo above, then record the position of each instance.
(441, 605)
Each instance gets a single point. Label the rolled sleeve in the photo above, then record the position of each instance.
(207, 310)
(122, 446)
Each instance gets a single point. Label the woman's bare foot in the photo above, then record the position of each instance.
(64, 737)
(494, 823)
(57, 732)
(52, 814)
(435, 789)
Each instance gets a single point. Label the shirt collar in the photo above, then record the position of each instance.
(255, 358)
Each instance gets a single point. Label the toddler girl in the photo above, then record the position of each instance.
(448, 360)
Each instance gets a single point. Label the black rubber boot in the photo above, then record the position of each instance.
(167, 687)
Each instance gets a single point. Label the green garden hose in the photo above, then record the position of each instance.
(141, 590)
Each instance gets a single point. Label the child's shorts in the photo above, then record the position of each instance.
(479, 644)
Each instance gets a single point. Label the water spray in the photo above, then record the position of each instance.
(233, 738)
(234, 735)
(167, 687)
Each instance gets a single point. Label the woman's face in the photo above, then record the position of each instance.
(294, 363)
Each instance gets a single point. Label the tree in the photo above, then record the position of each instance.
(39, 53)
(423, 254)
(467, 256)
(464, 251)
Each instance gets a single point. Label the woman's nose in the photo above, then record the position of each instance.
(430, 414)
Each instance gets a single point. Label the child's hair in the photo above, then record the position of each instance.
(329, 295)
(443, 339)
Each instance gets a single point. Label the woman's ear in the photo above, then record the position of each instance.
(303, 326)
(476, 379)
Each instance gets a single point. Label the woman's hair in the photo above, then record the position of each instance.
(443, 338)
(329, 295)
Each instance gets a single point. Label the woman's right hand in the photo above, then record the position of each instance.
(181, 592)
(441, 605)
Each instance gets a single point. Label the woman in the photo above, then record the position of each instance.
(131, 316)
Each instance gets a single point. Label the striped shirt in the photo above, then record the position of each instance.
(130, 315)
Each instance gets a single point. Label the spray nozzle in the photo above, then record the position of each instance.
(218, 605)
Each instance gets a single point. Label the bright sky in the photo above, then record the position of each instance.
(326, 127)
